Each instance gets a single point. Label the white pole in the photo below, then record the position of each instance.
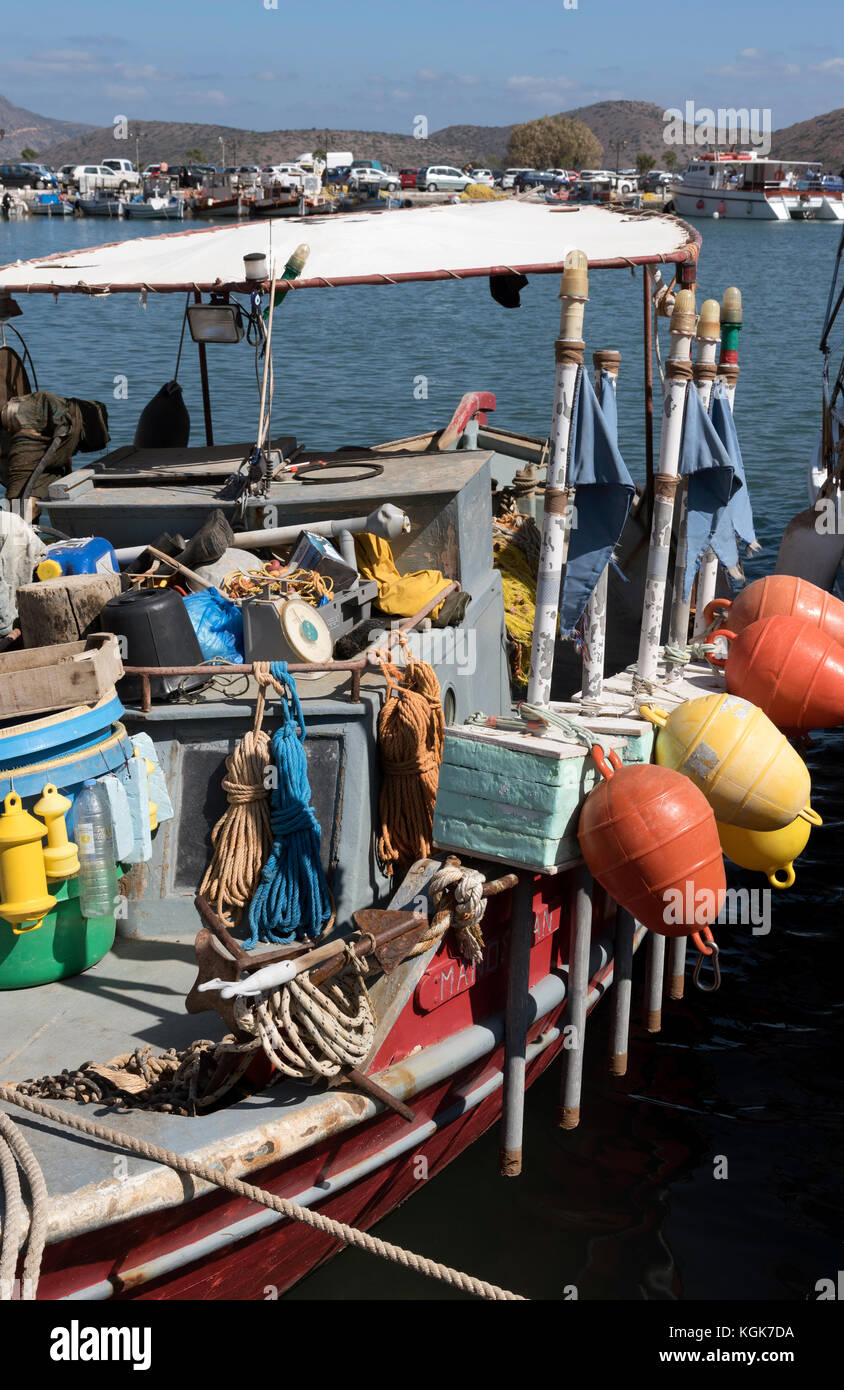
(595, 626)
(728, 372)
(678, 371)
(703, 375)
(574, 289)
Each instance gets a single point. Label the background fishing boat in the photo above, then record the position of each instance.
(742, 185)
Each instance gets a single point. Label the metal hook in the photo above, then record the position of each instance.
(714, 953)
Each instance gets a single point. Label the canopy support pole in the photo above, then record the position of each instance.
(203, 375)
(648, 347)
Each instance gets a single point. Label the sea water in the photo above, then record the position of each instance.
(629, 1205)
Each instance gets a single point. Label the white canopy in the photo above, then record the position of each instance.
(430, 243)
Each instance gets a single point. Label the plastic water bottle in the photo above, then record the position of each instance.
(94, 836)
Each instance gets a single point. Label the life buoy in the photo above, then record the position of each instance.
(700, 204)
(722, 208)
(778, 176)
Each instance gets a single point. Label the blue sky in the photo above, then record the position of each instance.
(375, 65)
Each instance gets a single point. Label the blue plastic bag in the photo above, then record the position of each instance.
(218, 624)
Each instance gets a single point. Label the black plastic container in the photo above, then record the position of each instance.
(154, 630)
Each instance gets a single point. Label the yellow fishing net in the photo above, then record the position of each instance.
(516, 558)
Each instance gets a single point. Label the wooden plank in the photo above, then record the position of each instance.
(62, 610)
(37, 680)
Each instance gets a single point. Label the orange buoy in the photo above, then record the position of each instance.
(782, 594)
(790, 668)
(648, 836)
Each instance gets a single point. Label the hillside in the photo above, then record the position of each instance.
(26, 130)
(820, 138)
(169, 141)
(639, 123)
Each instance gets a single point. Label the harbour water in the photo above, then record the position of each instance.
(711, 1170)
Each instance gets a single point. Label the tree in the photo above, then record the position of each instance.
(29, 154)
(320, 156)
(670, 159)
(553, 142)
(195, 156)
(644, 163)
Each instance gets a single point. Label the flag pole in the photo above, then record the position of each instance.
(727, 371)
(595, 624)
(703, 376)
(678, 371)
(569, 347)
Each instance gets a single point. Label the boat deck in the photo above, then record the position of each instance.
(135, 996)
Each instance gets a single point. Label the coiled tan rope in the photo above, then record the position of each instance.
(349, 1235)
(307, 1031)
(410, 740)
(15, 1153)
(242, 838)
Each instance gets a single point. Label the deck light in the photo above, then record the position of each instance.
(217, 322)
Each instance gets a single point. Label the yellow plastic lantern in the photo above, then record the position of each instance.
(746, 769)
(60, 857)
(23, 880)
(769, 852)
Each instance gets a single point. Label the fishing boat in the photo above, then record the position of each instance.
(93, 206)
(50, 205)
(738, 184)
(170, 209)
(486, 948)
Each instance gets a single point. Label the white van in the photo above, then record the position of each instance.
(127, 174)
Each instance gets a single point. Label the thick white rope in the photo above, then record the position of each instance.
(350, 1235)
(469, 906)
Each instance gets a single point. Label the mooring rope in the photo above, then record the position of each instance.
(154, 1153)
(15, 1153)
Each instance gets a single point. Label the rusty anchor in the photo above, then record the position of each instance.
(225, 970)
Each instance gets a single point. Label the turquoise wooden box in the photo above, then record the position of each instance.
(517, 797)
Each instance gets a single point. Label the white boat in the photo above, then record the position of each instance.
(170, 208)
(742, 185)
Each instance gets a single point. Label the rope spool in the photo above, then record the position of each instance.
(410, 740)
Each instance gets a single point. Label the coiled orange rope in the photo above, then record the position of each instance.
(410, 740)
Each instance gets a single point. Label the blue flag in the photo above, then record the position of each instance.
(740, 510)
(604, 491)
(712, 482)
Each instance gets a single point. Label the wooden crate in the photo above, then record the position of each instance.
(40, 679)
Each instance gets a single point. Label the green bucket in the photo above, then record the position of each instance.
(65, 944)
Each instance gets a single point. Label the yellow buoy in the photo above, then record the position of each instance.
(744, 766)
(60, 857)
(770, 852)
(23, 880)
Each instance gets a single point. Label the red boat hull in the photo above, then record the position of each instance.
(220, 1247)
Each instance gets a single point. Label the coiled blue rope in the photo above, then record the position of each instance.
(291, 901)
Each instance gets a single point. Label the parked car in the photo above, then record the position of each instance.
(483, 177)
(508, 178)
(368, 173)
(22, 176)
(65, 174)
(442, 178)
(127, 174)
(549, 181)
(155, 171)
(337, 174)
(497, 176)
(285, 175)
(408, 177)
(244, 174)
(42, 176)
(89, 177)
(654, 181)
